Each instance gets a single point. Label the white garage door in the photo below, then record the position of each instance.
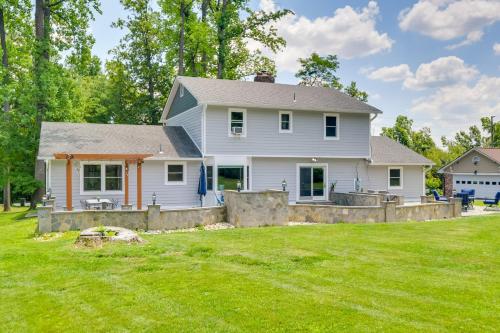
(485, 186)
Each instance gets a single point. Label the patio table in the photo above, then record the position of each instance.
(98, 204)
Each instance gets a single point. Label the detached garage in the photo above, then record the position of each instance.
(477, 169)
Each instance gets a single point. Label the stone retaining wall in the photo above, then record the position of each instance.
(245, 209)
(152, 219)
(253, 209)
(363, 199)
(387, 212)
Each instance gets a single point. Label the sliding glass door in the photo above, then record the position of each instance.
(312, 183)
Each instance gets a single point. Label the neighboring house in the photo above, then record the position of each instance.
(477, 169)
(252, 133)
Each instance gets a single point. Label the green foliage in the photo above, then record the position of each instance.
(318, 71)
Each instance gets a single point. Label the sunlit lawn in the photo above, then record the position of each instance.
(406, 277)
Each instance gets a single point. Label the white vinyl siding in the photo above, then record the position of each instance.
(307, 139)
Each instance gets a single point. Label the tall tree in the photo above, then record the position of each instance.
(318, 71)
(6, 104)
(143, 53)
(233, 29)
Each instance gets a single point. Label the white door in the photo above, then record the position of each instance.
(485, 186)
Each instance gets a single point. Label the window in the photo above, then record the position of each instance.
(481, 183)
(331, 123)
(91, 177)
(463, 181)
(474, 182)
(469, 182)
(101, 177)
(458, 181)
(237, 122)
(181, 91)
(229, 176)
(114, 176)
(395, 178)
(210, 178)
(175, 173)
(285, 122)
(493, 183)
(487, 183)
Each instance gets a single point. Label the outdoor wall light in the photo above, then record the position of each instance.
(154, 198)
(314, 159)
(284, 184)
(238, 186)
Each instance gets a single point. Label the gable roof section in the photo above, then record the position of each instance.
(386, 151)
(251, 94)
(491, 153)
(84, 138)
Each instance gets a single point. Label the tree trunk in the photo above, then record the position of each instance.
(6, 105)
(204, 57)
(5, 59)
(6, 193)
(221, 38)
(40, 62)
(180, 70)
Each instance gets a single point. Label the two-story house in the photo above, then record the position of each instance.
(252, 135)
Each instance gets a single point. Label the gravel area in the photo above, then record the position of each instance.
(210, 227)
(301, 223)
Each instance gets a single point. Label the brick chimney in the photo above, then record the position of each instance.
(264, 76)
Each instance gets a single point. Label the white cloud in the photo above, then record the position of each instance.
(349, 33)
(458, 105)
(448, 19)
(391, 74)
(496, 48)
(440, 72)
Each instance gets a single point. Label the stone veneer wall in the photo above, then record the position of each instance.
(253, 209)
(152, 219)
(363, 199)
(245, 209)
(335, 214)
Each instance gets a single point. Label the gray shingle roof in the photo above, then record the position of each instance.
(388, 151)
(272, 95)
(84, 138)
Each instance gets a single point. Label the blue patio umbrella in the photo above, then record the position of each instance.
(202, 183)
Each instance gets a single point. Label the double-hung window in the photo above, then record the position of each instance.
(285, 122)
(237, 122)
(331, 126)
(175, 173)
(395, 177)
(102, 178)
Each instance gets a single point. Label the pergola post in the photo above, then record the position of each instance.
(126, 182)
(69, 183)
(139, 184)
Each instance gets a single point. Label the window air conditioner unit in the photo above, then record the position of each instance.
(237, 130)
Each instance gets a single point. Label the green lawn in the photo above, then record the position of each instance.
(429, 277)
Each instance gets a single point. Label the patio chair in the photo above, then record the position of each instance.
(492, 202)
(472, 194)
(220, 200)
(114, 203)
(437, 197)
(465, 200)
(84, 205)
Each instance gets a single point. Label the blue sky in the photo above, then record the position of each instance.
(436, 61)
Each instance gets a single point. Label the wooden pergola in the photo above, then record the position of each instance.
(128, 158)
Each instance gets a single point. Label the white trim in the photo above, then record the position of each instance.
(204, 130)
(337, 137)
(181, 91)
(280, 107)
(103, 177)
(290, 122)
(184, 173)
(473, 174)
(160, 158)
(231, 110)
(400, 187)
(297, 180)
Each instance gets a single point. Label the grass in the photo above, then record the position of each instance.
(403, 277)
